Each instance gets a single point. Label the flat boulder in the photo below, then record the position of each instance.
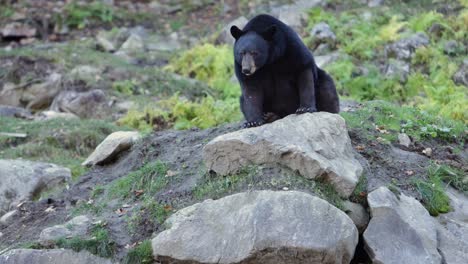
(258, 227)
(111, 146)
(22, 180)
(315, 145)
(51, 256)
(400, 230)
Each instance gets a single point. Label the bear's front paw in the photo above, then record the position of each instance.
(253, 124)
(302, 110)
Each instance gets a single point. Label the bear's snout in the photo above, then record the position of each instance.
(248, 64)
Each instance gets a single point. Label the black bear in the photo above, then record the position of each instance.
(277, 73)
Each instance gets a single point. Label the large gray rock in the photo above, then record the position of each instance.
(258, 227)
(404, 48)
(52, 256)
(111, 146)
(224, 36)
(76, 227)
(400, 231)
(316, 145)
(23, 180)
(90, 104)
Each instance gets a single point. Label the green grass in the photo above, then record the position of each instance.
(148, 180)
(150, 212)
(432, 192)
(417, 123)
(452, 176)
(217, 187)
(359, 194)
(143, 253)
(99, 244)
(66, 142)
(429, 84)
(77, 15)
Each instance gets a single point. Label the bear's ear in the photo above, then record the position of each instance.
(236, 32)
(269, 33)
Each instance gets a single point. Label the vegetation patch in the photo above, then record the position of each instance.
(148, 180)
(66, 142)
(452, 176)
(432, 193)
(386, 120)
(99, 244)
(142, 253)
(253, 178)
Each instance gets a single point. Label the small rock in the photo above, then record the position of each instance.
(111, 146)
(76, 227)
(324, 60)
(397, 69)
(50, 256)
(18, 30)
(8, 218)
(258, 227)
(322, 49)
(427, 152)
(224, 36)
(404, 139)
(461, 76)
(358, 214)
(315, 145)
(322, 33)
(85, 73)
(451, 47)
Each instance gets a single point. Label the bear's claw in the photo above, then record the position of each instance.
(253, 124)
(302, 110)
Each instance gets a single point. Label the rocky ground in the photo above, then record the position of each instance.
(112, 152)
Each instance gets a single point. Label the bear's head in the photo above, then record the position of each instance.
(251, 49)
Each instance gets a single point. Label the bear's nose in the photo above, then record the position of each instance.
(245, 71)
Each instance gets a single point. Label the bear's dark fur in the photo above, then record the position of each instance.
(278, 74)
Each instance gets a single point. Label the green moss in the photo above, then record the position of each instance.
(359, 194)
(433, 194)
(143, 253)
(149, 179)
(99, 244)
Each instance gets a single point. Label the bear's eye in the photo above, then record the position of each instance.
(254, 53)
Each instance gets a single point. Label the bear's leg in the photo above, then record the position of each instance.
(306, 92)
(252, 108)
(327, 97)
